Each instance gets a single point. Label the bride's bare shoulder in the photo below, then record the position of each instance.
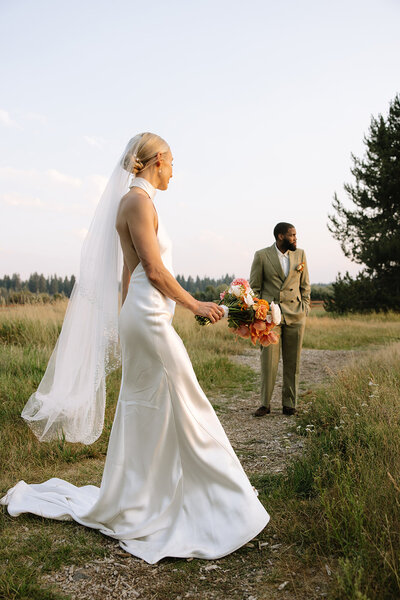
(135, 200)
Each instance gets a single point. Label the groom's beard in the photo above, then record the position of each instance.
(288, 246)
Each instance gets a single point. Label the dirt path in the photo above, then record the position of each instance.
(263, 445)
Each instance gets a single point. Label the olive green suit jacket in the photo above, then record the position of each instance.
(268, 281)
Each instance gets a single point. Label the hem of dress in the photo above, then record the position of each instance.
(245, 541)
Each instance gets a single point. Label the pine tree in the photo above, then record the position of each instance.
(16, 283)
(369, 234)
(53, 286)
(42, 284)
(33, 283)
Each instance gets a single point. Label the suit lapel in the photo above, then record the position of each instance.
(274, 260)
(291, 264)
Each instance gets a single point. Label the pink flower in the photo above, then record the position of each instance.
(222, 295)
(242, 282)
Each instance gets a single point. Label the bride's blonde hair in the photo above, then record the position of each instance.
(142, 150)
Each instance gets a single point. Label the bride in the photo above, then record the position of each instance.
(172, 484)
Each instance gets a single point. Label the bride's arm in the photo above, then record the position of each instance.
(140, 216)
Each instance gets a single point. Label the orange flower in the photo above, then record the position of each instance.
(263, 302)
(269, 338)
(259, 325)
(261, 311)
(261, 307)
(242, 331)
(256, 329)
(300, 267)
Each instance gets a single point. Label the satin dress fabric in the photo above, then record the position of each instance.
(172, 484)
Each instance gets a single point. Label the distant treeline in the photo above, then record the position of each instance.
(208, 290)
(38, 288)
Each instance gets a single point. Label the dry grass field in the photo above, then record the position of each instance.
(338, 504)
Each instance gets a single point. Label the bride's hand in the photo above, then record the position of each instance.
(210, 310)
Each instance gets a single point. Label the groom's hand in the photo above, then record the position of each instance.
(210, 310)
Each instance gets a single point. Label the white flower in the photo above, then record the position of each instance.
(235, 290)
(276, 313)
(269, 319)
(248, 300)
(226, 311)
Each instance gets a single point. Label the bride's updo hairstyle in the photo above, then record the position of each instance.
(141, 152)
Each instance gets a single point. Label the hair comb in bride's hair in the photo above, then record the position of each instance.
(137, 165)
(142, 150)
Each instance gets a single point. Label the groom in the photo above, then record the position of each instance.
(279, 273)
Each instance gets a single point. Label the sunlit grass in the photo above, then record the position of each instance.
(341, 499)
(325, 332)
(27, 337)
(331, 500)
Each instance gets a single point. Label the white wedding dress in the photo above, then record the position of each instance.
(172, 484)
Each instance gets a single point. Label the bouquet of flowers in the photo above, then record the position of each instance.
(248, 316)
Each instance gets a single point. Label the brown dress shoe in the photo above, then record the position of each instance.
(262, 410)
(288, 410)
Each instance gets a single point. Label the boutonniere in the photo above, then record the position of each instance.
(300, 267)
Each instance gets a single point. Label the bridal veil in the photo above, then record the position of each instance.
(70, 400)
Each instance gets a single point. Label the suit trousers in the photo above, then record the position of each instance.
(291, 340)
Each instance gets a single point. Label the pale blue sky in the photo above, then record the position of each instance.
(261, 102)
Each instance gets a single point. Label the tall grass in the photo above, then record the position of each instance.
(327, 332)
(341, 499)
(27, 337)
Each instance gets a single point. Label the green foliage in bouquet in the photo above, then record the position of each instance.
(237, 315)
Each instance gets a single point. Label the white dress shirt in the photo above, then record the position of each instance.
(284, 260)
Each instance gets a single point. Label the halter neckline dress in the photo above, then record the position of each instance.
(172, 484)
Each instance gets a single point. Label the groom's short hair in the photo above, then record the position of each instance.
(282, 228)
